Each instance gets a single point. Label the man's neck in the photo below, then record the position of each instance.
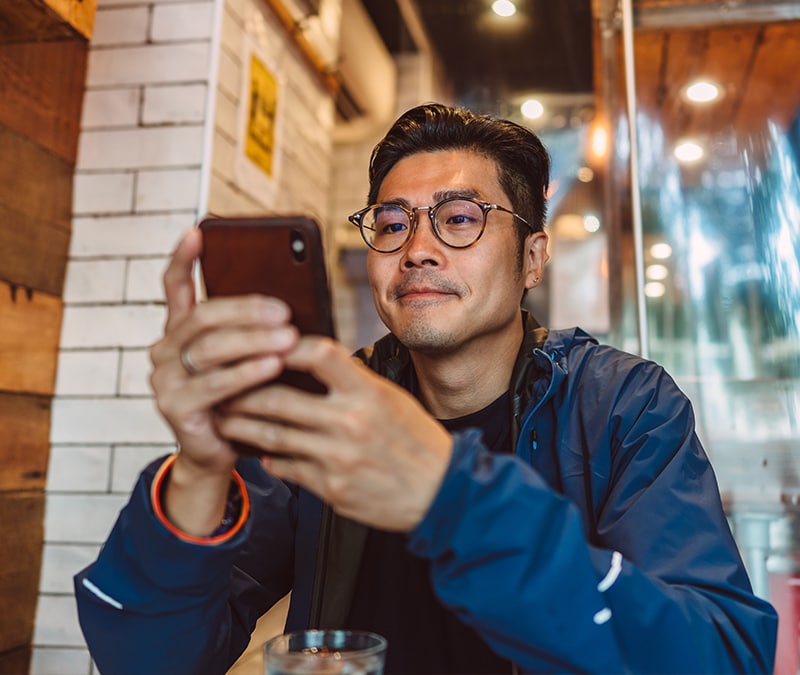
(459, 383)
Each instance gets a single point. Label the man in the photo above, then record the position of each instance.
(497, 496)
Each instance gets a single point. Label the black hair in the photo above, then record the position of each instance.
(523, 164)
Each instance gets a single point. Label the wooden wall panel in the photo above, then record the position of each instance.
(36, 202)
(41, 91)
(15, 661)
(22, 515)
(24, 443)
(30, 327)
(34, 181)
(33, 251)
(43, 57)
(34, 20)
(78, 13)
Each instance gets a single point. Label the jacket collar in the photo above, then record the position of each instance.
(392, 360)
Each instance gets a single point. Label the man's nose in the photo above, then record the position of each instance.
(424, 244)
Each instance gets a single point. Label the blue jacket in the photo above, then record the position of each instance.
(602, 546)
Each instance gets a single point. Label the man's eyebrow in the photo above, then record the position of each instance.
(463, 193)
(454, 194)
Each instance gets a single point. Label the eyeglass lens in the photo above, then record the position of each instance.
(458, 222)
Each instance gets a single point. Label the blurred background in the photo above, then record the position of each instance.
(674, 217)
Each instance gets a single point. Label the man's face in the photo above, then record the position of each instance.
(437, 299)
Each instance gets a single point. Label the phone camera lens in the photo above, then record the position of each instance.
(298, 245)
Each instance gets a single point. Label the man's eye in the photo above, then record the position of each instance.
(460, 219)
(393, 227)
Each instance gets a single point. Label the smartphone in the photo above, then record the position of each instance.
(280, 256)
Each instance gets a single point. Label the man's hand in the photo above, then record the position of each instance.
(232, 345)
(367, 447)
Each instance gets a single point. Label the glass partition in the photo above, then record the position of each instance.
(718, 139)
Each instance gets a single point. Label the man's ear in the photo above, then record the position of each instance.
(536, 256)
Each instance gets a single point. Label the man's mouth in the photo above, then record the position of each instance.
(422, 292)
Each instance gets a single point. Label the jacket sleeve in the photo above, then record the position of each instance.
(152, 603)
(656, 587)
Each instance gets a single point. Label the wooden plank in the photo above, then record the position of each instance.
(41, 92)
(22, 515)
(30, 325)
(25, 441)
(15, 661)
(77, 13)
(34, 181)
(32, 20)
(33, 252)
(36, 202)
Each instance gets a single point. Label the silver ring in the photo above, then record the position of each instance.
(187, 363)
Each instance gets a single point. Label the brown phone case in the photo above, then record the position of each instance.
(280, 256)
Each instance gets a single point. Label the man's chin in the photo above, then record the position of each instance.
(427, 339)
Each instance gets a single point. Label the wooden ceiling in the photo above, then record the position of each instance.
(757, 66)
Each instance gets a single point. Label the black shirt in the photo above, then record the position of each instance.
(394, 596)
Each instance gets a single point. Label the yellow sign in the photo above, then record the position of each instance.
(260, 131)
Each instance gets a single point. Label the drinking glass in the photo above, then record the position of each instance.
(326, 652)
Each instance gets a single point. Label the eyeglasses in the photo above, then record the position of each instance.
(457, 222)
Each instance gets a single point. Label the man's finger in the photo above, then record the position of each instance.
(329, 362)
(178, 282)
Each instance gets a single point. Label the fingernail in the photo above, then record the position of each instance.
(276, 310)
(283, 337)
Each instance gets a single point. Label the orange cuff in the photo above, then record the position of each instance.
(155, 497)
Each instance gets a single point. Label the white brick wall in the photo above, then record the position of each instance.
(173, 104)
(185, 21)
(121, 26)
(167, 190)
(90, 281)
(148, 64)
(129, 235)
(110, 107)
(102, 193)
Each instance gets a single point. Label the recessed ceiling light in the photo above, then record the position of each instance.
(532, 108)
(688, 151)
(504, 8)
(702, 91)
(661, 250)
(585, 174)
(654, 289)
(591, 223)
(657, 272)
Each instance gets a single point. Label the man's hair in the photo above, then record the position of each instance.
(523, 165)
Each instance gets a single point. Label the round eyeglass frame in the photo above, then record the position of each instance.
(358, 220)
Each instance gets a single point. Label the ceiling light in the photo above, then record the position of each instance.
(585, 174)
(532, 109)
(688, 151)
(591, 223)
(504, 8)
(661, 251)
(657, 272)
(702, 91)
(654, 289)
